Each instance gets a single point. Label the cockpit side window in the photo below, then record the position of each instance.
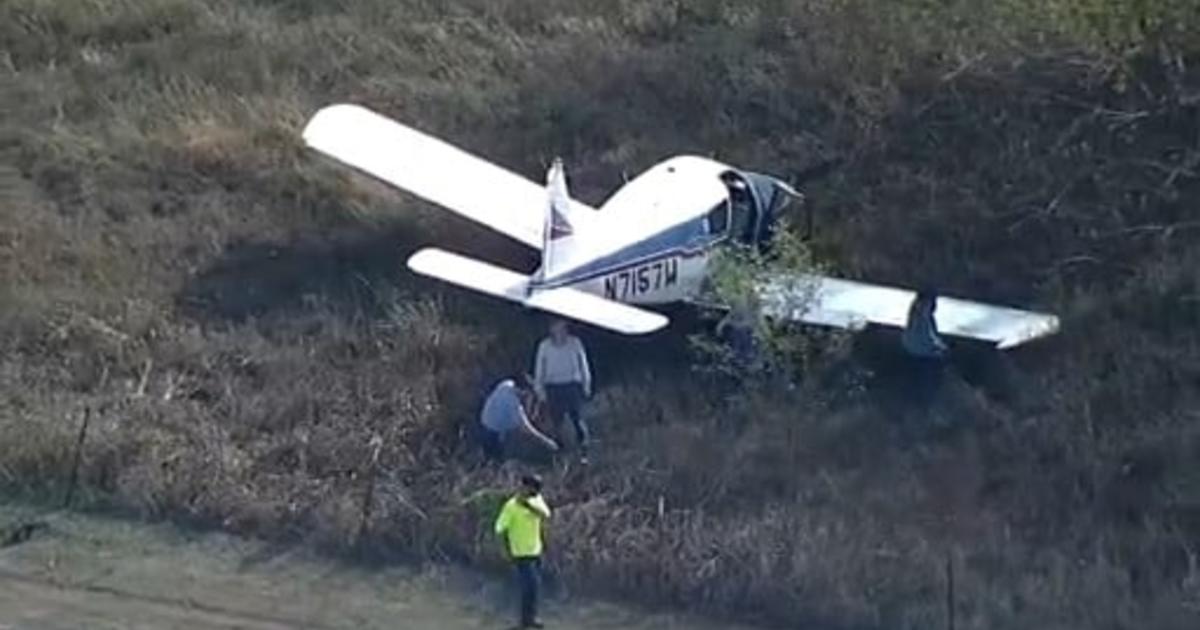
(717, 219)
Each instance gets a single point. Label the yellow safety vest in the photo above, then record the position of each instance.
(523, 526)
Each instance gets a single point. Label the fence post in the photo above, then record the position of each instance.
(73, 480)
(949, 591)
(372, 470)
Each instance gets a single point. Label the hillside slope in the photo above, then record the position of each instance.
(231, 314)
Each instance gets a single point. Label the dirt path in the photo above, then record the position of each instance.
(95, 573)
(32, 603)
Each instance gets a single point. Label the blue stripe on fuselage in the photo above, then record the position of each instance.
(686, 239)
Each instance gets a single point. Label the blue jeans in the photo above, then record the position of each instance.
(566, 401)
(529, 579)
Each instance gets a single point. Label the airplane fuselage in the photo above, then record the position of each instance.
(684, 208)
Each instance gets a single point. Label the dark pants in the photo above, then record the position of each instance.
(926, 381)
(566, 401)
(925, 376)
(492, 444)
(529, 577)
(744, 345)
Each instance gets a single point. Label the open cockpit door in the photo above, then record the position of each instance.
(743, 209)
(772, 197)
(755, 204)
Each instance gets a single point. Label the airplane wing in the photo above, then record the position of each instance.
(434, 170)
(510, 285)
(852, 305)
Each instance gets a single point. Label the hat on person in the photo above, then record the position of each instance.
(532, 481)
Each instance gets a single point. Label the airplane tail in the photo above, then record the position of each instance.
(558, 233)
(557, 239)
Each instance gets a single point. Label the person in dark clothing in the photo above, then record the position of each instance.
(925, 349)
(740, 328)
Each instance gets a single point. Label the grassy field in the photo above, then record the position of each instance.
(234, 312)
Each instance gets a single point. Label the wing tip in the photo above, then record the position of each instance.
(417, 261)
(326, 117)
(1049, 325)
(654, 323)
(597, 311)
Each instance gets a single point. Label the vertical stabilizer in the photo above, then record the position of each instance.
(558, 232)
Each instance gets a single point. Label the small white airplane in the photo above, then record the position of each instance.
(650, 243)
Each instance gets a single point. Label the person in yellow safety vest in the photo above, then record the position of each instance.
(519, 526)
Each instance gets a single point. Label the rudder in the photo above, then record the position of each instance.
(558, 232)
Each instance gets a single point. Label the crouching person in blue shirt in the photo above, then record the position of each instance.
(504, 413)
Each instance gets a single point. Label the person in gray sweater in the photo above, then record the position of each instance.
(563, 380)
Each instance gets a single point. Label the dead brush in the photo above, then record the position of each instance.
(1035, 152)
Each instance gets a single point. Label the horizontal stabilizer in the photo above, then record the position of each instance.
(596, 310)
(847, 304)
(470, 273)
(510, 285)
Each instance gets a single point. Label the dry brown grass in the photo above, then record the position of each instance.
(234, 312)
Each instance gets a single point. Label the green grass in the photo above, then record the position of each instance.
(235, 312)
